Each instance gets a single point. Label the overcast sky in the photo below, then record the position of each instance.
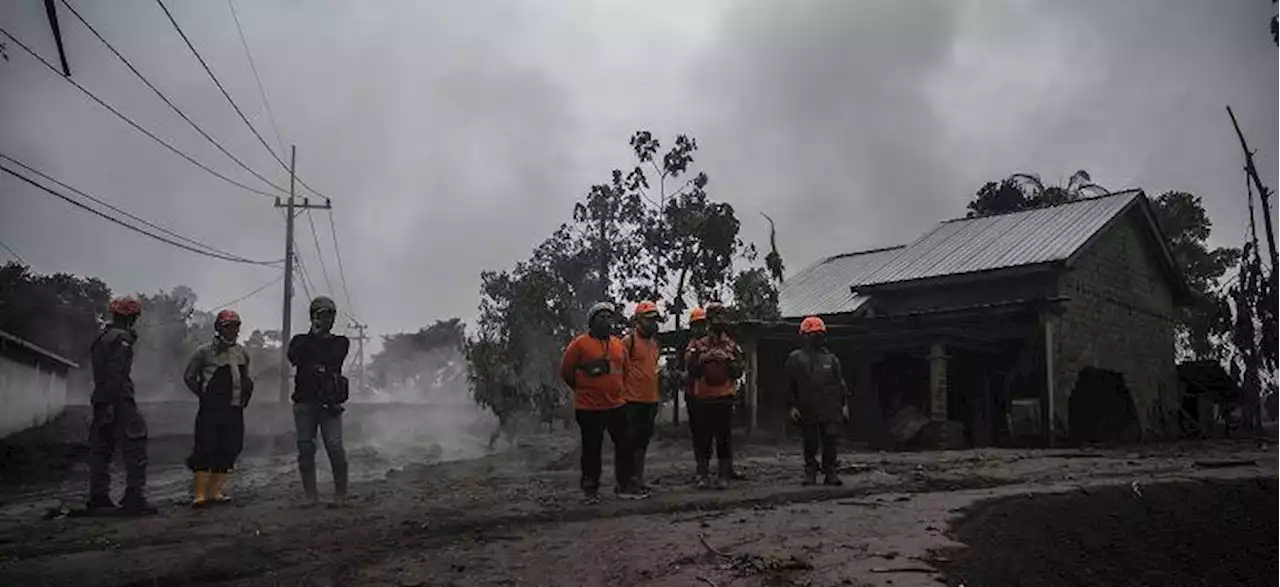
(454, 136)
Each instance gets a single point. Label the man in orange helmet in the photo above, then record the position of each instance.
(116, 419)
(219, 375)
(715, 362)
(816, 396)
(697, 329)
(640, 384)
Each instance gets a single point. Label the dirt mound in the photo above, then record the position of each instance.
(1193, 533)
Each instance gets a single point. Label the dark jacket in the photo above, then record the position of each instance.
(219, 375)
(318, 360)
(815, 385)
(111, 356)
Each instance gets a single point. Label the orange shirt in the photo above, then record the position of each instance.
(714, 348)
(598, 392)
(640, 381)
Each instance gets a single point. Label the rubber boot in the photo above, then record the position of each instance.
(704, 474)
(202, 489)
(725, 472)
(308, 472)
(215, 488)
(339, 485)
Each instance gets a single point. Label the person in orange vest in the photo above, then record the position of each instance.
(640, 383)
(218, 373)
(592, 366)
(715, 363)
(816, 396)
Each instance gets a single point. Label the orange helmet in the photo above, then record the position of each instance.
(227, 317)
(126, 306)
(645, 307)
(697, 314)
(812, 324)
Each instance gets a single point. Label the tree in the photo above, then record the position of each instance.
(773, 261)
(408, 357)
(1185, 225)
(169, 332)
(754, 296)
(60, 312)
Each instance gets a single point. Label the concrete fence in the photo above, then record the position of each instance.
(33, 384)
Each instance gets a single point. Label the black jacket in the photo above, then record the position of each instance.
(815, 385)
(318, 360)
(111, 356)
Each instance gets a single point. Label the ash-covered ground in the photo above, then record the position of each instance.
(1166, 514)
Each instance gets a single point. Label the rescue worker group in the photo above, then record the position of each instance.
(615, 382)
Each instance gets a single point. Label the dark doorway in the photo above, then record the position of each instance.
(1101, 408)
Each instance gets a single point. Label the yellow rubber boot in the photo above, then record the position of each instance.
(215, 488)
(202, 489)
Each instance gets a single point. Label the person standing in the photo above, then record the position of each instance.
(116, 419)
(715, 362)
(592, 365)
(640, 384)
(218, 374)
(697, 330)
(816, 396)
(318, 394)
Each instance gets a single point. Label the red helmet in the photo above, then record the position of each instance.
(812, 324)
(126, 306)
(697, 314)
(645, 307)
(227, 317)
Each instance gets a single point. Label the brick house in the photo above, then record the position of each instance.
(1039, 326)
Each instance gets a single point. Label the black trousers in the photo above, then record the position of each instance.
(824, 435)
(712, 428)
(594, 424)
(219, 438)
(117, 424)
(640, 419)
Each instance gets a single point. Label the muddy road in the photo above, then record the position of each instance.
(514, 519)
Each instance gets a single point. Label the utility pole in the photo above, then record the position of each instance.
(360, 381)
(1264, 195)
(286, 324)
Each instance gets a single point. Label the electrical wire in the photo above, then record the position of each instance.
(266, 104)
(166, 99)
(12, 252)
(187, 316)
(117, 210)
(342, 274)
(130, 121)
(319, 252)
(227, 95)
(163, 239)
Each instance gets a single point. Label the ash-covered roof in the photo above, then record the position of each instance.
(1030, 237)
(823, 288)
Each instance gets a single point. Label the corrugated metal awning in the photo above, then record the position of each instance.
(6, 338)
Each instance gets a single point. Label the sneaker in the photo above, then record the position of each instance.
(703, 482)
(720, 483)
(630, 493)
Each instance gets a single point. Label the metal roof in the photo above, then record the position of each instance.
(1031, 237)
(823, 288)
(5, 337)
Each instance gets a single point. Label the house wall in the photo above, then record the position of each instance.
(31, 393)
(1119, 318)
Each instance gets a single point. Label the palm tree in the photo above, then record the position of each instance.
(1080, 185)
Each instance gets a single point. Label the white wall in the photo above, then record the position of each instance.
(29, 395)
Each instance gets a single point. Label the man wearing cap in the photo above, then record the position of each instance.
(640, 383)
(715, 363)
(218, 373)
(318, 394)
(116, 419)
(593, 366)
(816, 396)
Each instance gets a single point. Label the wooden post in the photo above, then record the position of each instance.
(1050, 378)
(753, 384)
(937, 383)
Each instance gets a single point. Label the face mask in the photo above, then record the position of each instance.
(227, 335)
(816, 340)
(601, 326)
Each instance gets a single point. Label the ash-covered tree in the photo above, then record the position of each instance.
(60, 312)
(433, 353)
(1185, 225)
(755, 297)
(169, 332)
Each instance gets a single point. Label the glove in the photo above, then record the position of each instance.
(844, 413)
(795, 415)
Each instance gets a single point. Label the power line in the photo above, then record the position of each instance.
(167, 101)
(319, 252)
(130, 121)
(189, 313)
(227, 95)
(179, 244)
(113, 208)
(266, 104)
(11, 252)
(342, 274)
